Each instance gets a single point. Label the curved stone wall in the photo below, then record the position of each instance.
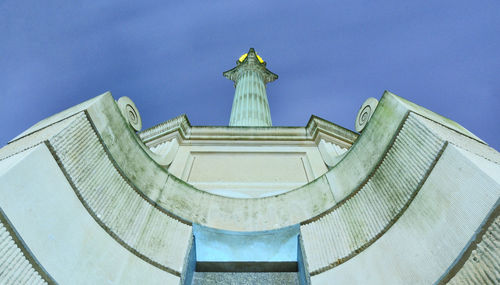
(431, 235)
(341, 233)
(154, 235)
(293, 207)
(183, 200)
(131, 161)
(382, 190)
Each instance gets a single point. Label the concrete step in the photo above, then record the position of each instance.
(254, 278)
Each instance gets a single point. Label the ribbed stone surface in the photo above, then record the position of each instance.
(114, 202)
(462, 141)
(14, 267)
(483, 265)
(32, 139)
(244, 278)
(347, 230)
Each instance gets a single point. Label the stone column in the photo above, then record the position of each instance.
(250, 105)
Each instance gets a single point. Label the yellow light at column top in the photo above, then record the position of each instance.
(242, 58)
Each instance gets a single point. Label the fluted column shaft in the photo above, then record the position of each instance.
(250, 105)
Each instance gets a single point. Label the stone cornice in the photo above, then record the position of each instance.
(180, 128)
(317, 127)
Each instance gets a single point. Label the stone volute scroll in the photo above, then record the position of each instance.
(164, 153)
(130, 112)
(365, 113)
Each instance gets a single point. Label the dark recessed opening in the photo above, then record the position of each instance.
(243, 266)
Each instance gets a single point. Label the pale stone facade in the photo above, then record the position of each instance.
(85, 199)
(248, 162)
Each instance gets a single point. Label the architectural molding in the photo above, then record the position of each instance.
(315, 130)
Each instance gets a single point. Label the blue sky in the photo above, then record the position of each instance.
(330, 56)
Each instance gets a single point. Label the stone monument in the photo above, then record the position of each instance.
(87, 197)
